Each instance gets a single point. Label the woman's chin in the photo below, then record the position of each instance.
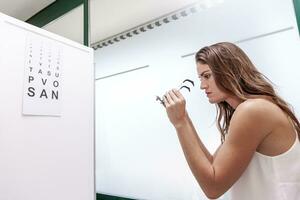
(214, 101)
(211, 101)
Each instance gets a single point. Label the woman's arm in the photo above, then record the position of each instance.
(199, 142)
(183, 114)
(247, 129)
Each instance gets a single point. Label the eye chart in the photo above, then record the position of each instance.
(42, 77)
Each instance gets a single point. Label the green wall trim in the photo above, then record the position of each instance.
(108, 197)
(86, 23)
(59, 8)
(297, 11)
(53, 11)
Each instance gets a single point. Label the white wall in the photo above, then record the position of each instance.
(45, 157)
(138, 153)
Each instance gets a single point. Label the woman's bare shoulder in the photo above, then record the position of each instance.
(259, 113)
(258, 106)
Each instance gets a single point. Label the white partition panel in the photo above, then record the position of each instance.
(138, 153)
(43, 156)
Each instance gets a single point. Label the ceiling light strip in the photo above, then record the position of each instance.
(165, 19)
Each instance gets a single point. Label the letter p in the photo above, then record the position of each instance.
(31, 78)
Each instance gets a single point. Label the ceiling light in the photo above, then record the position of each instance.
(174, 17)
(157, 23)
(150, 26)
(166, 20)
(142, 29)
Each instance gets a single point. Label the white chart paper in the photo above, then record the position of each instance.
(42, 77)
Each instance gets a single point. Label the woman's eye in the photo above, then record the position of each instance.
(206, 76)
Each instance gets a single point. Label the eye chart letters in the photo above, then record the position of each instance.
(42, 77)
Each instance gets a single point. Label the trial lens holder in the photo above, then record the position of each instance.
(182, 86)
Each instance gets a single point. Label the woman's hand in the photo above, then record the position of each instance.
(175, 107)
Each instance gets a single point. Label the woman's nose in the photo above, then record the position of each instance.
(203, 85)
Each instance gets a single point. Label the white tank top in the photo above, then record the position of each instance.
(270, 177)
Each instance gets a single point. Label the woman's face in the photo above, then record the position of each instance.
(208, 84)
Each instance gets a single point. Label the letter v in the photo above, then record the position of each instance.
(44, 82)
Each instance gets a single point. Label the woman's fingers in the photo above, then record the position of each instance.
(166, 102)
(178, 94)
(175, 106)
(168, 99)
(173, 97)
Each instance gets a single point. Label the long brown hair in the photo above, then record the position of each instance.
(235, 74)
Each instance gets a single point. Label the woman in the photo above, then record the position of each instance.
(259, 157)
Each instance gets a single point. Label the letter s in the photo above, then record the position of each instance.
(31, 92)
